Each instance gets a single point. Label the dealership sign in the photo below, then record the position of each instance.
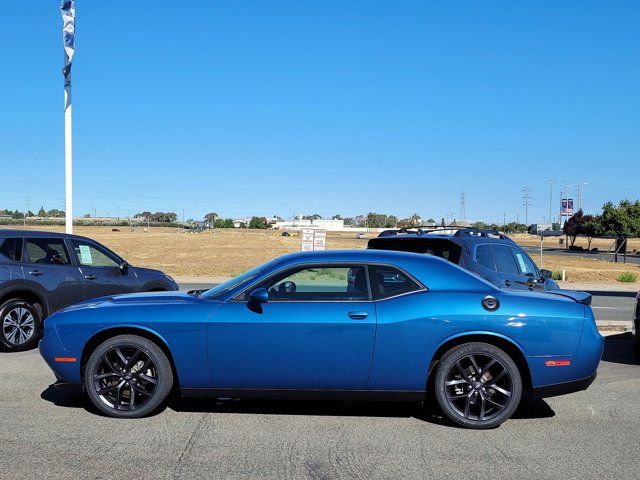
(567, 207)
(314, 239)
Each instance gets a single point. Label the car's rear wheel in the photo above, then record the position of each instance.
(20, 325)
(128, 376)
(478, 385)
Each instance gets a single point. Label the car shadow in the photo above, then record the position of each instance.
(618, 349)
(529, 408)
(64, 398)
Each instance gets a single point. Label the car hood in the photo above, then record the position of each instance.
(149, 298)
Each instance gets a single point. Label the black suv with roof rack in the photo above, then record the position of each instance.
(43, 272)
(488, 253)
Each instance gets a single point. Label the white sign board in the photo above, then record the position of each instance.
(314, 239)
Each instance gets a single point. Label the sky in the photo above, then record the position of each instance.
(331, 107)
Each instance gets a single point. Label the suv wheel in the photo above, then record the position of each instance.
(20, 325)
(478, 385)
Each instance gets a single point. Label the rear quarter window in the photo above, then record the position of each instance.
(11, 249)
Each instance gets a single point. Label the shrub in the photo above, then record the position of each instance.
(556, 275)
(628, 277)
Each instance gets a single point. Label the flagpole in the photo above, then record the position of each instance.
(68, 160)
(68, 10)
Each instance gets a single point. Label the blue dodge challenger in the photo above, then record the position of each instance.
(365, 324)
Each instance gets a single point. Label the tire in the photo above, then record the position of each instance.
(636, 340)
(128, 376)
(477, 385)
(20, 326)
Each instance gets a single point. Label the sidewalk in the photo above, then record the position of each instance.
(601, 287)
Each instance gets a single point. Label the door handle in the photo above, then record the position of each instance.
(358, 315)
(90, 277)
(35, 273)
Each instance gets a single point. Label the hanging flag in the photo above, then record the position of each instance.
(68, 9)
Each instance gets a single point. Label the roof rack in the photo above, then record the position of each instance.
(482, 232)
(459, 232)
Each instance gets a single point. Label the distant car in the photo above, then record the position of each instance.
(355, 324)
(361, 236)
(635, 328)
(285, 234)
(42, 272)
(490, 254)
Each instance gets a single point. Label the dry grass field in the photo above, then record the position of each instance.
(228, 252)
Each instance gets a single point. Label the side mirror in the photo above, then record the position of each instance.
(123, 267)
(256, 298)
(545, 274)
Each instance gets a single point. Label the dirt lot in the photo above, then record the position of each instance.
(228, 252)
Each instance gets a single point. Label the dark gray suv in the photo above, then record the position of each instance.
(42, 272)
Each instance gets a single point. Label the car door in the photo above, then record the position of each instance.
(316, 331)
(101, 270)
(507, 268)
(50, 271)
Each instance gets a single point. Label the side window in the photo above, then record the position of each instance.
(340, 283)
(11, 248)
(504, 260)
(525, 264)
(484, 257)
(92, 256)
(389, 282)
(47, 250)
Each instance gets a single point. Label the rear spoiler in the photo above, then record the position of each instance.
(580, 297)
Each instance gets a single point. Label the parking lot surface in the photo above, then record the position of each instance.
(48, 433)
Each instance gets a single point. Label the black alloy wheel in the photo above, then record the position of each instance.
(478, 385)
(128, 376)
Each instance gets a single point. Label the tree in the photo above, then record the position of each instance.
(259, 222)
(591, 228)
(431, 220)
(55, 213)
(210, 218)
(226, 223)
(144, 214)
(574, 226)
(42, 212)
(348, 221)
(392, 221)
(315, 216)
(443, 223)
(623, 220)
(336, 217)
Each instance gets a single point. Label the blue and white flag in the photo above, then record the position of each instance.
(68, 9)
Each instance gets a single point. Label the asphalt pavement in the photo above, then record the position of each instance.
(48, 433)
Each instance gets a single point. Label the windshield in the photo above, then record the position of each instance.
(229, 285)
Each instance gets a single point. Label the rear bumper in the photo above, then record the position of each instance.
(564, 388)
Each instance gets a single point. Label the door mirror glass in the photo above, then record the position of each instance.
(123, 267)
(545, 274)
(259, 296)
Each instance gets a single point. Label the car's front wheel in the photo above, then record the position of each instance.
(21, 325)
(478, 385)
(128, 376)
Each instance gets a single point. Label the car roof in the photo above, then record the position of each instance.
(4, 233)
(357, 255)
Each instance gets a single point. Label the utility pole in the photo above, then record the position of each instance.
(551, 182)
(579, 187)
(504, 219)
(463, 209)
(526, 195)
